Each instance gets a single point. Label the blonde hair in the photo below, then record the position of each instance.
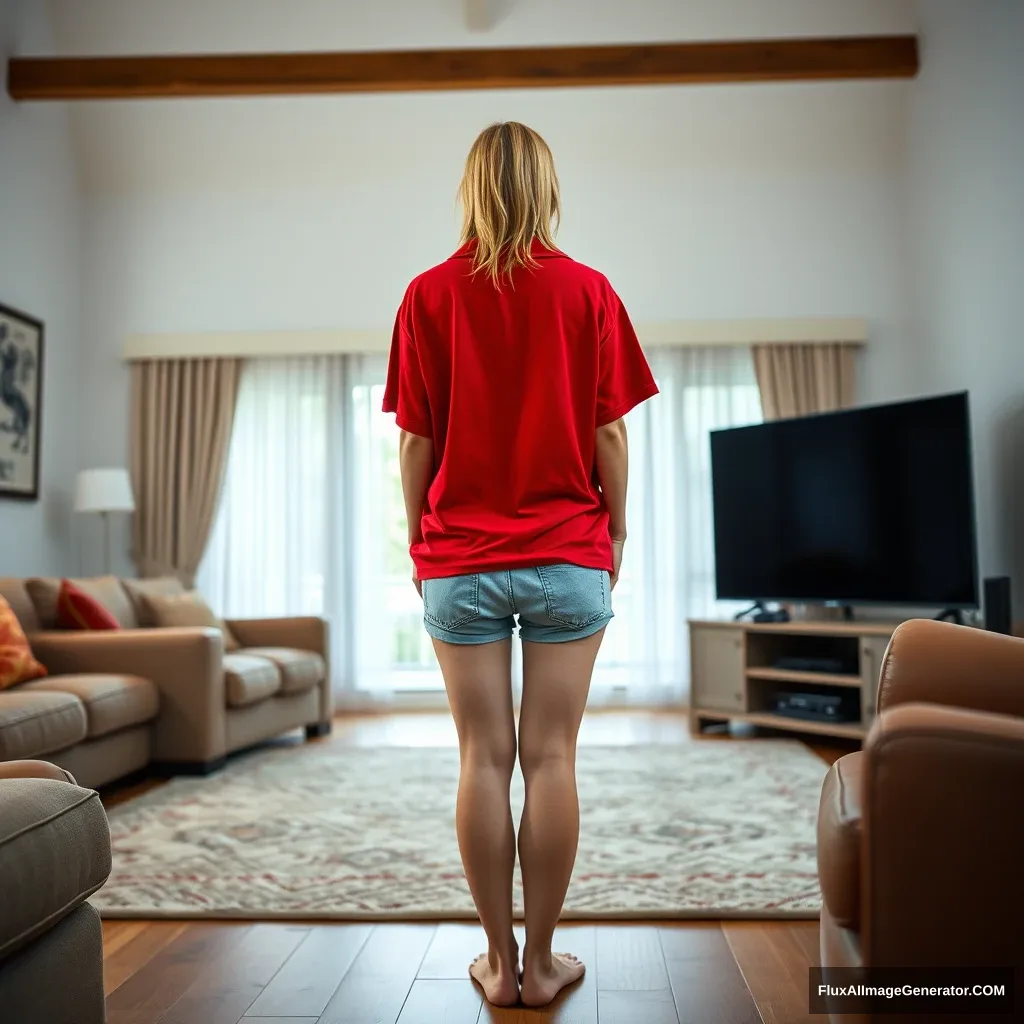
(509, 196)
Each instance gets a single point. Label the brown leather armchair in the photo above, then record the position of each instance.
(921, 833)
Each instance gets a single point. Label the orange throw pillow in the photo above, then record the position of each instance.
(16, 662)
(77, 610)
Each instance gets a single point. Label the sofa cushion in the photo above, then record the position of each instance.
(300, 670)
(188, 608)
(17, 663)
(14, 592)
(78, 610)
(158, 586)
(39, 723)
(111, 702)
(248, 680)
(105, 589)
(55, 849)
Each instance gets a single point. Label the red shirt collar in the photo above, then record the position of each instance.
(537, 250)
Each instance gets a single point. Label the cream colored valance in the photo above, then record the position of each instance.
(690, 333)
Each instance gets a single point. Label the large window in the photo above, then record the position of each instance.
(312, 520)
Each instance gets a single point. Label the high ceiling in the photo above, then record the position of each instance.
(158, 26)
(174, 144)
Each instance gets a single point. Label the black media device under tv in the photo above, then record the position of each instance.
(872, 505)
(818, 707)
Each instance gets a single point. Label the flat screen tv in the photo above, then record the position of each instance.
(872, 505)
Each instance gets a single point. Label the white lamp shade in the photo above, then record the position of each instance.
(104, 490)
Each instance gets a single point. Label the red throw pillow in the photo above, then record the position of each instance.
(17, 665)
(77, 610)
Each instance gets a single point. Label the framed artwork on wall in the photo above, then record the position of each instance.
(21, 404)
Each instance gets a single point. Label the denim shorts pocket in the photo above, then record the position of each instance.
(575, 597)
(451, 601)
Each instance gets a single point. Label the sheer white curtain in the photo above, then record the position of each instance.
(668, 571)
(312, 521)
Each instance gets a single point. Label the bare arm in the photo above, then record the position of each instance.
(611, 455)
(416, 459)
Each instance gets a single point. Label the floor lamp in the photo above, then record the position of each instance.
(104, 491)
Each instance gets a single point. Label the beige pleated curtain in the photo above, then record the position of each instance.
(798, 380)
(182, 413)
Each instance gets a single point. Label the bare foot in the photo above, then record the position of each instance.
(498, 980)
(542, 983)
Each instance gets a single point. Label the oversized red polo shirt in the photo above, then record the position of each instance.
(511, 386)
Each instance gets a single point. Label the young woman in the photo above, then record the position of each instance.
(511, 369)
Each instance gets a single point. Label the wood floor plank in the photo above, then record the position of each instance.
(377, 984)
(224, 991)
(774, 968)
(807, 935)
(150, 992)
(794, 954)
(651, 1007)
(629, 959)
(442, 1002)
(453, 948)
(119, 933)
(305, 984)
(120, 962)
(693, 940)
(513, 1015)
(707, 986)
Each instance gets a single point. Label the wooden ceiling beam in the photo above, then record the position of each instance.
(767, 60)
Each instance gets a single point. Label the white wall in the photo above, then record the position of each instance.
(902, 202)
(39, 274)
(965, 215)
(699, 203)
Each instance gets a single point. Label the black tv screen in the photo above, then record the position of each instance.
(866, 506)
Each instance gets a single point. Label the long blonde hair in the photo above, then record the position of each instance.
(509, 196)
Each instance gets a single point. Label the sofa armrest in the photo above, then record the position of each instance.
(943, 843)
(32, 769)
(840, 814)
(186, 665)
(54, 854)
(959, 666)
(302, 633)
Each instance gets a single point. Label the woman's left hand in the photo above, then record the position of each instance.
(416, 582)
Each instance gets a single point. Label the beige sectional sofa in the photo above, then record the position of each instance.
(117, 701)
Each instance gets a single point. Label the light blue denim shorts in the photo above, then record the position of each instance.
(554, 603)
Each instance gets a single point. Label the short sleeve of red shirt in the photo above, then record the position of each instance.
(406, 393)
(625, 379)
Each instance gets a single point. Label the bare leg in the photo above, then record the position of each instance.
(478, 678)
(556, 680)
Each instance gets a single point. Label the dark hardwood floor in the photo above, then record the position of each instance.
(220, 972)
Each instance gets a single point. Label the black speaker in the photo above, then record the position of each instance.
(997, 605)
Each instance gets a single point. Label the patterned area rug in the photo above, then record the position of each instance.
(702, 829)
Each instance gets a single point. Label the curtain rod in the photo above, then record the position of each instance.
(664, 334)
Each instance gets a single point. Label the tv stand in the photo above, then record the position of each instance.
(739, 668)
(951, 615)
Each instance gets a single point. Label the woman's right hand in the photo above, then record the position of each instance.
(617, 546)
